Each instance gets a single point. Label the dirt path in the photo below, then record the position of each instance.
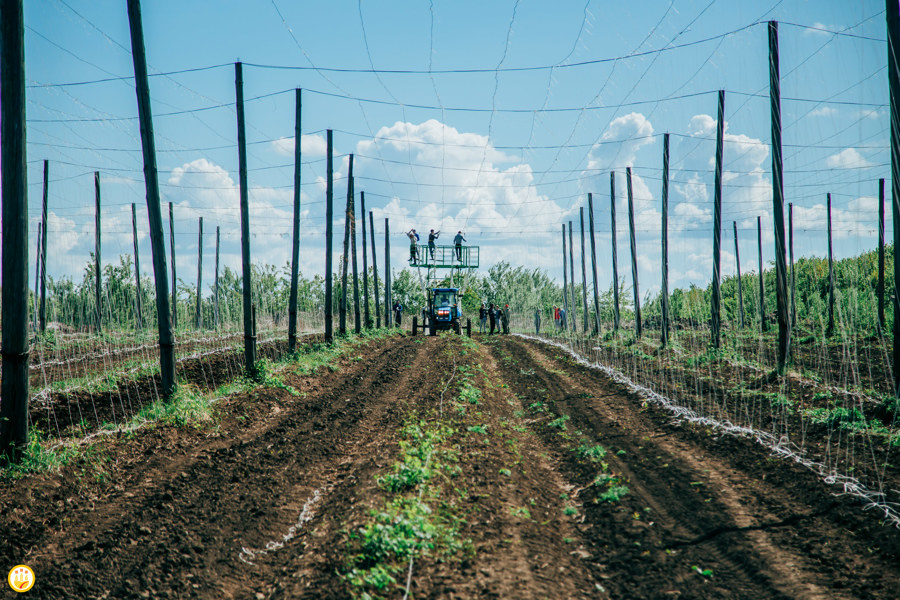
(269, 502)
(763, 527)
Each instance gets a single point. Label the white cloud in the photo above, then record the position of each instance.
(849, 158)
(823, 111)
(310, 145)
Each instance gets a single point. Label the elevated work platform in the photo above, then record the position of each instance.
(445, 257)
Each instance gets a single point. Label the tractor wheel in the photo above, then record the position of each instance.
(457, 327)
(468, 327)
(432, 327)
(415, 325)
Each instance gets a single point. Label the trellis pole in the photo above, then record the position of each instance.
(342, 328)
(249, 325)
(594, 264)
(387, 274)
(198, 316)
(138, 308)
(329, 229)
(216, 288)
(638, 329)
(615, 260)
(367, 316)
(584, 302)
(573, 318)
(716, 304)
(43, 248)
(97, 274)
(565, 275)
(295, 239)
(762, 283)
(737, 261)
(830, 329)
(157, 241)
(664, 292)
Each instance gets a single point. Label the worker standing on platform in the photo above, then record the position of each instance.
(431, 239)
(457, 241)
(413, 246)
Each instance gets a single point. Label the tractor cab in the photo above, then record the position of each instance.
(443, 310)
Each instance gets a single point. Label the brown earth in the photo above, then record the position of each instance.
(167, 512)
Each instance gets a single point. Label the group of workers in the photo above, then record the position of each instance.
(498, 318)
(432, 239)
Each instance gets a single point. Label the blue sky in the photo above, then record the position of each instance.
(508, 114)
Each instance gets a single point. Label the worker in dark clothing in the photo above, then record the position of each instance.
(498, 317)
(431, 239)
(398, 311)
(504, 318)
(482, 318)
(492, 316)
(537, 322)
(457, 241)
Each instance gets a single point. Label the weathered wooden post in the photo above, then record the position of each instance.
(387, 274)
(737, 261)
(216, 288)
(762, 283)
(594, 264)
(97, 273)
(716, 304)
(830, 329)
(342, 308)
(249, 326)
(295, 240)
(138, 309)
(893, 36)
(172, 252)
(584, 302)
(574, 317)
(784, 325)
(664, 292)
(374, 269)
(565, 276)
(329, 229)
(43, 248)
(367, 316)
(879, 289)
(356, 315)
(638, 329)
(14, 380)
(157, 241)
(791, 254)
(198, 314)
(37, 275)
(615, 260)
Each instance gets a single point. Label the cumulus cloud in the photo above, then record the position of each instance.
(310, 145)
(848, 158)
(451, 181)
(823, 111)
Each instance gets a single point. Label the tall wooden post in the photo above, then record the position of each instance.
(197, 312)
(14, 325)
(249, 334)
(97, 273)
(43, 249)
(138, 308)
(664, 292)
(784, 325)
(172, 252)
(737, 261)
(762, 283)
(565, 276)
(151, 180)
(879, 289)
(584, 302)
(573, 318)
(716, 304)
(791, 255)
(893, 36)
(356, 315)
(329, 232)
(638, 329)
(374, 270)
(615, 260)
(830, 329)
(37, 275)
(387, 274)
(367, 316)
(295, 240)
(594, 264)
(345, 256)
(216, 288)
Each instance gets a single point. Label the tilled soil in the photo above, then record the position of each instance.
(264, 503)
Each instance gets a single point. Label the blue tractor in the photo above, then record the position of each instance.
(442, 312)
